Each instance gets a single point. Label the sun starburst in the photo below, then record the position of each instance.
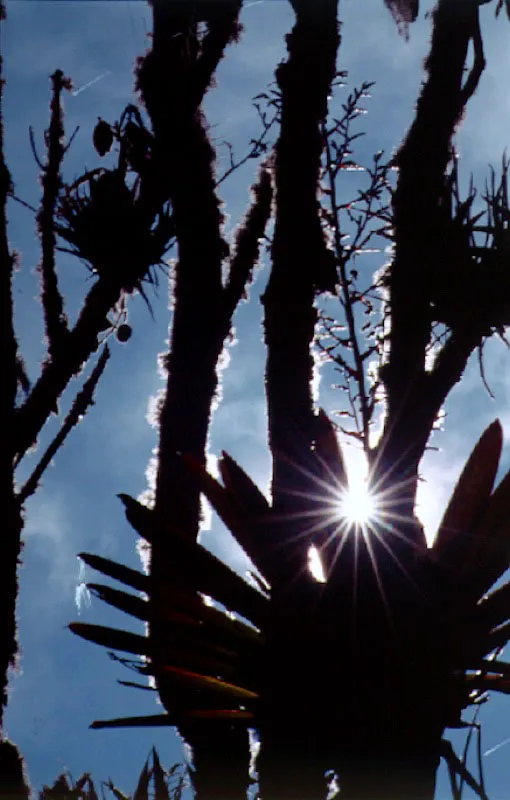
(359, 504)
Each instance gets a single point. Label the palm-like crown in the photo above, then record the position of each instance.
(388, 619)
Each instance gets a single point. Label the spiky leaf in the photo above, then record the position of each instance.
(131, 577)
(488, 557)
(160, 785)
(219, 497)
(142, 790)
(250, 526)
(497, 638)
(470, 496)
(232, 714)
(149, 721)
(135, 685)
(328, 451)
(128, 603)
(196, 569)
(246, 493)
(111, 637)
(495, 607)
(197, 681)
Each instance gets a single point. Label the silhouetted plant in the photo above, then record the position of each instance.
(294, 657)
(164, 785)
(303, 673)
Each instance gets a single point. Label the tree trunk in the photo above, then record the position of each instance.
(173, 82)
(221, 760)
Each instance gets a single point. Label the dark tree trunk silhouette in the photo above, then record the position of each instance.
(288, 763)
(10, 546)
(173, 79)
(415, 396)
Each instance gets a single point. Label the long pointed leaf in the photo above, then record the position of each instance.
(128, 603)
(212, 631)
(246, 493)
(232, 714)
(459, 766)
(197, 681)
(226, 630)
(492, 683)
(233, 628)
(328, 450)
(246, 513)
(142, 790)
(489, 553)
(118, 794)
(498, 638)
(144, 610)
(199, 621)
(135, 685)
(219, 497)
(179, 657)
(185, 656)
(150, 721)
(140, 517)
(495, 608)
(470, 495)
(495, 666)
(253, 530)
(111, 637)
(182, 600)
(200, 570)
(137, 580)
(160, 785)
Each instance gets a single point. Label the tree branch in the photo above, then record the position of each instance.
(247, 241)
(422, 162)
(52, 302)
(82, 401)
(299, 250)
(10, 541)
(82, 341)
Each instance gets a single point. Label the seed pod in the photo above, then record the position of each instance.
(102, 137)
(138, 143)
(124, 333)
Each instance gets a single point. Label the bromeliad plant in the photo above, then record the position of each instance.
(164, 785)
(406, 622)
(118, 220)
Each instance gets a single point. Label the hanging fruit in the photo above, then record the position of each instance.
(102, 137)
(138, 142)
(124, 332)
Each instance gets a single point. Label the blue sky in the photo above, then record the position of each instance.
(65, 682)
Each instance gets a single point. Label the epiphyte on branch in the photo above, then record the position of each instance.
(102, 137)
(124, 332)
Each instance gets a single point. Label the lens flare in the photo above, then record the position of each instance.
(358, 505)
(315, 565)
(354, 507)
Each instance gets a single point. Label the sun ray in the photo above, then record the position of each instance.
(330, 511)
(373, 560)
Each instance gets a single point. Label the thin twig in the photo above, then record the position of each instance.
(52, 301)
(83, 400)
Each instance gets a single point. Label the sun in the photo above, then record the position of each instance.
(349, 511)
(358, 504)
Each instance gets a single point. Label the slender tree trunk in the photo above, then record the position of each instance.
(13, 782)
(221, 760)
(420, 213)
(290, 764)
(10, 540)
(173, 79)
